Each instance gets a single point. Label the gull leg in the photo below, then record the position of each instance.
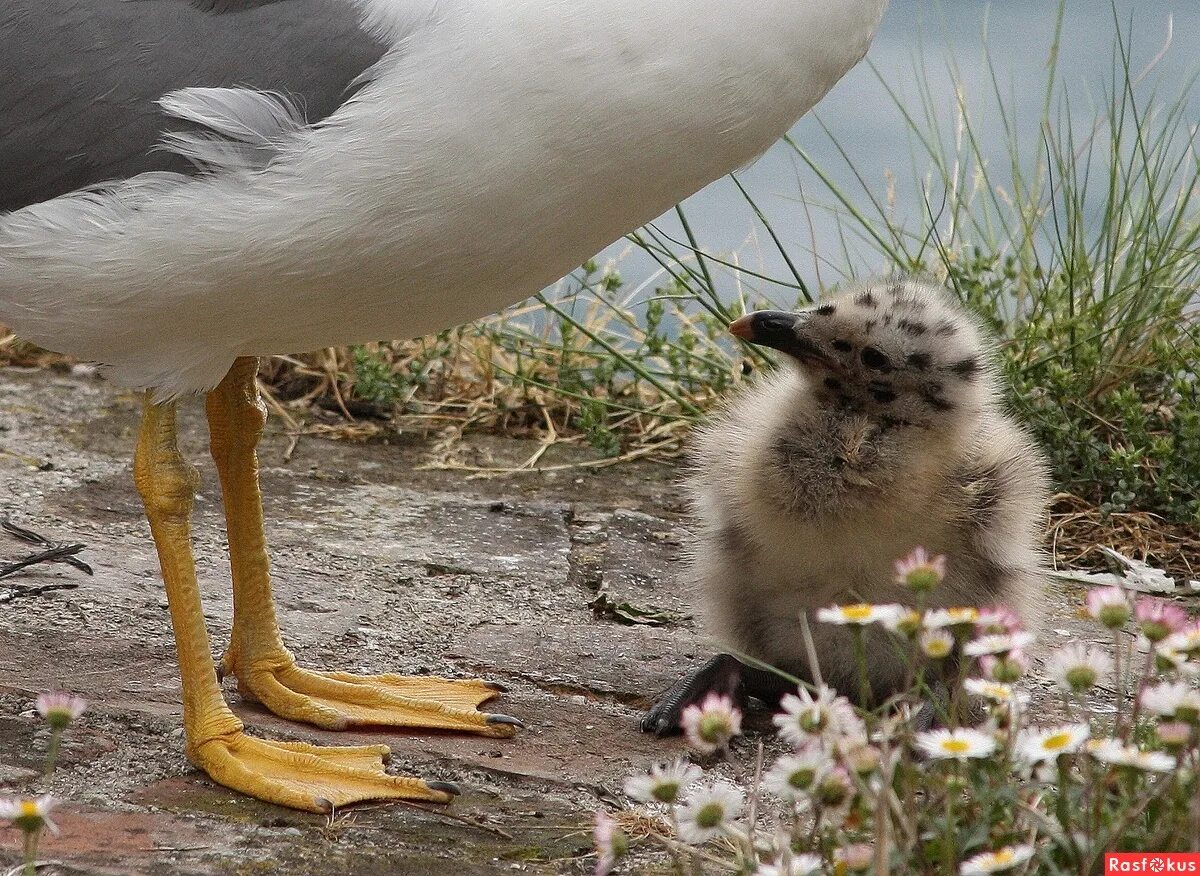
(291, 774)
(265, 669)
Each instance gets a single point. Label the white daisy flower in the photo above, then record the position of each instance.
(664, 783)
(998, 643)
(1111, 751)
(937, 644)
(709, 812)
(1077, 667)
(907, 622)
(950, 617)
(997, 861)
(794, 774)
(30, 815)
(1036, 746)
(710, 725)
(1172, 700)
(860, 614)
(959, 744)
(995, 691)
(1186, 642)
(826, 715)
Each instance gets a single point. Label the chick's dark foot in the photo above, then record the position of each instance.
(722, 675)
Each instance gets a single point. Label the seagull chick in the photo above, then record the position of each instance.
(888, 432)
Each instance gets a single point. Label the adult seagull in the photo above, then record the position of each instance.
(482, 150)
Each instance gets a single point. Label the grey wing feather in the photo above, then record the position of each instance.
(244, 127)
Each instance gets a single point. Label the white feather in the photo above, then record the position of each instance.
(496, 149)
(246, 127)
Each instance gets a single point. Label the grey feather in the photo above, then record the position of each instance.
(245, 128)
(220, 7)
(82, 79)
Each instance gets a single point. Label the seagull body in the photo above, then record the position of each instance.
(392, 167)
(492, 149)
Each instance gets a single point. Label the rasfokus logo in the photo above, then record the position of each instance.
(1152, 862)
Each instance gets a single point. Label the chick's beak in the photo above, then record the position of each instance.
(776, 329)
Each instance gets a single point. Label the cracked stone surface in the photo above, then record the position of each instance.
(380, 565)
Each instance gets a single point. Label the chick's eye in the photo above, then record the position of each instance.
(872, 358)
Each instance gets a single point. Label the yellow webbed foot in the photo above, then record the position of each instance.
(309, 777)
(337, 700)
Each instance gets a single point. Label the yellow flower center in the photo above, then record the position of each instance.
(29, 809)
(963, 614)
(956, 746)
(859, 612)
(1003, 856)
(1057, 741)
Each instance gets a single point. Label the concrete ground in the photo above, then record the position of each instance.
(379, 566)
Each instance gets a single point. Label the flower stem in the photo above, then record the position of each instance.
(52, 751)
(31, 844)
(860, 655)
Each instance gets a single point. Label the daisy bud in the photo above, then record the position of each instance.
(1005, 669)
(1174, 735)
(59, 708)
(711, 725)
(1109, 606)
(611, 843)
(864, 759)
(834, 787)
(919, 572)
(1158, 618)
(855, 858)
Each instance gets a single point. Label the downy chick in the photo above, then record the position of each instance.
(886, 432)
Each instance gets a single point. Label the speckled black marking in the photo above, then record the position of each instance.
(913, 327)
(875, 359)
(883, 396)
(869, 325)
(866, 299)
(936, 401)
(826, 310)
(945, 329)
(887, 319)
(842, 346)
(833, 383)
(967, 368)
(920, 361)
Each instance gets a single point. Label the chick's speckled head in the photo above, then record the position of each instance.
(903, 351)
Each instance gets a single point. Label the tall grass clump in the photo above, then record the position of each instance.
(1080, 249)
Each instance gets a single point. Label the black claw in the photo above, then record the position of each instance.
(445, 787)
(496, 686)
(506, 719)
(324, 804)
